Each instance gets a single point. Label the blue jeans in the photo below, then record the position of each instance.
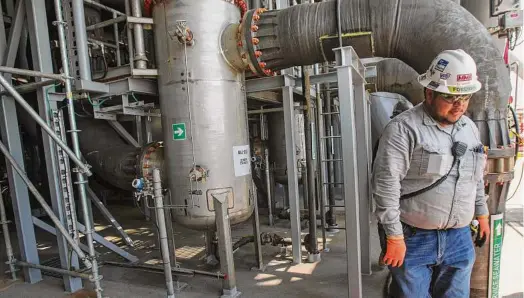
(437, 264)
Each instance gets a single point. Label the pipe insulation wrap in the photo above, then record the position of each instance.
(413, 31)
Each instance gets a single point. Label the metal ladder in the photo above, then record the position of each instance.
(65, 175)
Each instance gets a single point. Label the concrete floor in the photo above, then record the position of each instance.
(281, 279)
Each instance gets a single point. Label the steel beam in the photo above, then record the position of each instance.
(351, 179)
(17, 188)
(277, 82)
(14, 34)
(292, 172)
(123, 133)
(109, 216)
(41, 56)
(48, 228)
(109, 245)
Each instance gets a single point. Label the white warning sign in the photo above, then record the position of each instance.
(242, 160)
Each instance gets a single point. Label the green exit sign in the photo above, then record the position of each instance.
(179, 131)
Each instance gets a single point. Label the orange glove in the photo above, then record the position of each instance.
(396, 251)
(484, 229)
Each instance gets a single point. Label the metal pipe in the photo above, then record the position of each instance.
(81, 180)
(53, 269)
(331, 221)
(7, 238)
(30, 87)
(339, 24)
(268, 188)
(321, 149)
(44, 204)
(83, 167)
(114, 11)
(140, 55)
(31, 73)
(263, 111)
(309, 123)
(176, 271)
(272, 110)
(129, 36)
(161, 222)
(117, 41)
(84, 65)
(515, 100)
(106, 44)
(106, 23)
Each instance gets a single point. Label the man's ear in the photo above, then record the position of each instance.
(428, 95)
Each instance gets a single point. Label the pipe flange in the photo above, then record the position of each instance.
(151, 157)
(251, 54)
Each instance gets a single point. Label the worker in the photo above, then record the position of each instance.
(428, 184)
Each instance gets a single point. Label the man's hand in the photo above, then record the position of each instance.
(396, 251)
(484, 229)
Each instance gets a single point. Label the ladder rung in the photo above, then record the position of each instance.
(332, 137)
(331, 160)
(330, 113)
(336, 183)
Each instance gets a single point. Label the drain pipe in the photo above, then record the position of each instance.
(81, 179)
(161, 222)
(7, 238)
(309, 125)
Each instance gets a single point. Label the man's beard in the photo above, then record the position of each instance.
(432, 110)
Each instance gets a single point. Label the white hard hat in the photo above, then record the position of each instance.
(452, 72)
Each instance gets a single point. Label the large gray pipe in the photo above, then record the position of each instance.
(396, 76)
(111, 157)
(413, 31)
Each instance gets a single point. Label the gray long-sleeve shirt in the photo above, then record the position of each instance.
(415, 151)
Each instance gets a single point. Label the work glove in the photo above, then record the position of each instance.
(395, 251)
(484, 230)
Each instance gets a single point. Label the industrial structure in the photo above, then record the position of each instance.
(210, 112)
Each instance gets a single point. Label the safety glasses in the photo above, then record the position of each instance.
(451, 99)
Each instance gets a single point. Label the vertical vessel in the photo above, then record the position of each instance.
(204, 112)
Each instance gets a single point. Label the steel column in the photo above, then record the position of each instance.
(41, 56)
(349, 155)
(225, 246)
(17, 188)
(292, 171)
(363, 169)
(81, 179)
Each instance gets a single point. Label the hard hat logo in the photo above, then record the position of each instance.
(459, 89)
(464, 77)
(459, 77)
(441, 65)
(433, 85)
